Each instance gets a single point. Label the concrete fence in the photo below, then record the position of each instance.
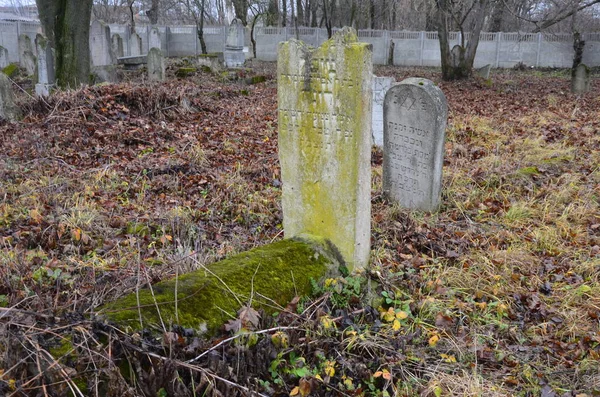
(502, 50)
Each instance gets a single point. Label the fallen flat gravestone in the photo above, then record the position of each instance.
(415, 113)
(325, 102)
(380, 86)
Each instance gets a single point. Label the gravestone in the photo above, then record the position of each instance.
(415, 114)
(156, 65)
(325, 98)
(117, 45)
(135, 45)
(154, 39)
(485, 71)
(455, 55)
(234, 47)
(8, 109)
(100, 44)
(380, 86)
(4, 62)
(580, 79)
(45, 66)
(26, 54)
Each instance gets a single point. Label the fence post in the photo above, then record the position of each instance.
(422, 48)
(498, 37)
(539, 49)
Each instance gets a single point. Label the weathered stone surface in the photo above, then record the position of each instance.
(380, 86)
(213, 62)
(325, 142)
(117, 45)
(202, 299)
(4, 62)
(100, 45)
(455, 55)
(234, 47)
(154, 40)
(8, 108)
(26, 54)
(134, 62)
(45, 66)
(135, 45)
(156, 65)
(580, 80)
(485, 71)
(415, 114)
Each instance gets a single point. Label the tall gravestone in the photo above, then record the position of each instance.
(380, 86)
(45, 66)
(154, 40)
(135, 45)
(580, 79)
(324, 103)
(100, 44)
(4, 62)
(117, 45)
(8, 109)
(156, 65)
(415, 114)
(234, 47)
(26, 54)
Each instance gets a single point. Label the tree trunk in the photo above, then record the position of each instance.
(327, 17)
(200, 28)
(153, 12)
(66, 23)
(300, 13)
(284, 13)
(241, 10)
(272, 13)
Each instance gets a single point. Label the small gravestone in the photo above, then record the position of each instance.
(156, 65)
(455, 55)
(234, 47)
(580, 79)
(135, 45)
(484, 72)
(45, 67)
(4, 62)
(415, 114)
(26, 54)
(154, 39)
(8, 109)
(380, 86)
(117, 45)
(324, 98)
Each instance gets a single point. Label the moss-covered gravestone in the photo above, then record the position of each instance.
(325, 104)
(8, 109)
(414, 115)
(206, 298)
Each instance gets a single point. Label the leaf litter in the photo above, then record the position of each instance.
(108, 188)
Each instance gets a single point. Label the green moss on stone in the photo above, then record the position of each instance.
(184, 72)
(11, 70)
(205, 297)
(255, 79)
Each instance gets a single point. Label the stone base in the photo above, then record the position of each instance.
(234, 59)
(42, 90)
(213, 62)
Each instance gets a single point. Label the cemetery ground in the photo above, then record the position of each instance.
(114, 187)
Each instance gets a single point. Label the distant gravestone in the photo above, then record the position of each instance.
(580, 79)
(100, 44)
(234, 47)
(26, 54)
(484, 72)
(135, 45)
(45, 67)
(415, 114)
(455, 55)
(156, 65)
(8, 109)
(325, 98)
(154, 40)
(380, 86)
(4, 62)
(117, 45)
